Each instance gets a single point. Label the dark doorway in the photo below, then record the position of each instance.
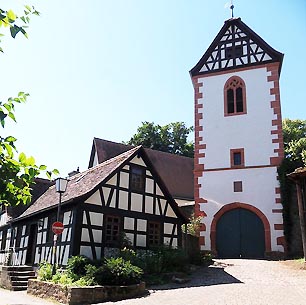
(240, 234)
(31, 244)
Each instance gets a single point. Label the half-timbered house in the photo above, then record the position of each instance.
(176, 171)
(120, 199)
(7, 213)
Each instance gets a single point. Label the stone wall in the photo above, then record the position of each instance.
(83, 295)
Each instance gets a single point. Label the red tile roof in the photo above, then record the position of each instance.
(176, 171)
(80, 184)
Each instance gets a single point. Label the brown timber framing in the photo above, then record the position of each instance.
(228, 36)
(78, 206)
(47, 245)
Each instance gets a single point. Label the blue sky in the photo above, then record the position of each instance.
(99, 68)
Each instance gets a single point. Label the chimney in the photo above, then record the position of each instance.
(74, 172)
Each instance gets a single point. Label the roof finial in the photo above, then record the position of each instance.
(232, 8)
(230, 4)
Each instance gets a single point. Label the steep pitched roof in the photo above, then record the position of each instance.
(235, 46)
(175, 171)
(80, 184)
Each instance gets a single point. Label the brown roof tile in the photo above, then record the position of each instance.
(176, 171)
(80, 184)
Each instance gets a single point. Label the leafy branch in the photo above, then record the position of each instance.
(8, 19)
(17, 174)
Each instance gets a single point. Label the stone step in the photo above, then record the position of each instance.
(17, 268)
(19, 288)
(22, 278)
(21, 273)
(19, 283)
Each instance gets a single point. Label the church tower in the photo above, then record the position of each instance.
(238, 144)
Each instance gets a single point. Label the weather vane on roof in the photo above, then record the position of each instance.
(231, 6)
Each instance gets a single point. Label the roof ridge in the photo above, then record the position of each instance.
(103, 163)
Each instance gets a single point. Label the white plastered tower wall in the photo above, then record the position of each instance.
(258, 132)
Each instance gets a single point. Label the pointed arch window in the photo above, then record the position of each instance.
(234, 96)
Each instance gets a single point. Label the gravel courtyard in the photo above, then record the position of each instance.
(230, 282)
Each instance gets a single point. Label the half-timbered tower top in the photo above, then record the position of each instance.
(236, 46)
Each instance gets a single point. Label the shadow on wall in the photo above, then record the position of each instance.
(204, 276)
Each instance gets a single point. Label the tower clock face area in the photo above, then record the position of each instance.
(238, 139)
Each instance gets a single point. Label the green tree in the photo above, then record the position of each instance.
(294, 132)
(17, 173)
(172, 138)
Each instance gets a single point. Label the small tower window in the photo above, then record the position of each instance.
(234, 96)
(237, 186)
(237, 157)
(233, 52)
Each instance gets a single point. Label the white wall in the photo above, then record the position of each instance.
(252, 131)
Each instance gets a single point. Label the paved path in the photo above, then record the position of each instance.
(229, 282)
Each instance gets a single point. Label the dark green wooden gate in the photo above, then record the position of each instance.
(240, 233)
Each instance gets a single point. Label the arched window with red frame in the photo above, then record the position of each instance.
(234, 96)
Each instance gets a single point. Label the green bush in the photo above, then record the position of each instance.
(80, 272)
(62, 278)
(173, 260)
(84, 281)
(161, 259)
(128, 254)
(117, 271)
(45, 271)
(76, 266)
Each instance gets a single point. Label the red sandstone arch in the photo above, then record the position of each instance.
(237, 205)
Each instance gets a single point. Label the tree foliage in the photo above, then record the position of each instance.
(172, 138)
(17, 171)
(294, 133)
(8, 19)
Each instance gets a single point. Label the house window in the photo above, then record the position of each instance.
(112, 230)
(153, 234)
(237, 157)
(234, 96)
(137, 178)
(237, 186)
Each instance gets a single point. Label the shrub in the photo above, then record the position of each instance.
(149, 261)
(93, 274)
(76, 266)
(128, 254)
(117, 271)
(113, 271)
(207, 259)
(173, 260)
(62, 278)
(45, 271)
(193, 227)
(84, 281)
(162, 259)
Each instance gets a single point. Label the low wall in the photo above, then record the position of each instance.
(83, 295)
